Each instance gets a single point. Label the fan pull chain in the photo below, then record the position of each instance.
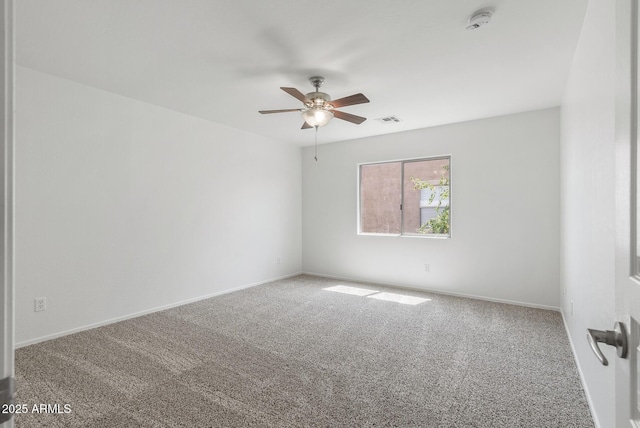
(316, 146)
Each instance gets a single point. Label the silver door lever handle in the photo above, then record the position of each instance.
(616, 337)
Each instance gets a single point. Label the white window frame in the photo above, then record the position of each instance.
(402, 234)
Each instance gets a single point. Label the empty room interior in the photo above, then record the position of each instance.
(299, 213)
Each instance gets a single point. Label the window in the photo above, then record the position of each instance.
(409, 197)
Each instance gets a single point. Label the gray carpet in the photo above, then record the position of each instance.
(290, 354)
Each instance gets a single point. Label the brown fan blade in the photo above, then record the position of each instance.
(306, 126)
(350, 100)
(348, 117)
(296, 94)
(278, 111)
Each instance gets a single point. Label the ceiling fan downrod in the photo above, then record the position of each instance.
(316, 81)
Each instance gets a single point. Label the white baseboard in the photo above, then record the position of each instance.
(437, 291)
(594, 416)
(147, 311)
(242, 287)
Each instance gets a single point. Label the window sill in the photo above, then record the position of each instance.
(399, 235)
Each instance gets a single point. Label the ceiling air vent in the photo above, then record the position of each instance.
(388, 119)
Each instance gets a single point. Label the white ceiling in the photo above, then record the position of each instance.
(223, 60)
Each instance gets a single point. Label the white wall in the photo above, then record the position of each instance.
(124, 207)
(588, 200)
(505, 211)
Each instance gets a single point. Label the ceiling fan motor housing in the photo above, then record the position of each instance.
(318, 99)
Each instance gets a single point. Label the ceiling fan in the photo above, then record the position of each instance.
(318, 108)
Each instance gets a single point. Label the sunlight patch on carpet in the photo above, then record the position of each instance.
(389, 297)
(345, 289)
(399, 298)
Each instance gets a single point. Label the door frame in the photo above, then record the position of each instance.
(627, 285)
(7, 116)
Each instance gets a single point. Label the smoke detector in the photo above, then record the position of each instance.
(479, 18)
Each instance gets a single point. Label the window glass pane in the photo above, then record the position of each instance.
(380, 198)
(425, 206)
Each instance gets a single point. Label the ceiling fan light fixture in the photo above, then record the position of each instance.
(317, 116)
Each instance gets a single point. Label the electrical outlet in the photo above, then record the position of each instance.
(278, 260)
(40, 304)
(427, 267)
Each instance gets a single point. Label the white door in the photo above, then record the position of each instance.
(627, 190)
(6, 209)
